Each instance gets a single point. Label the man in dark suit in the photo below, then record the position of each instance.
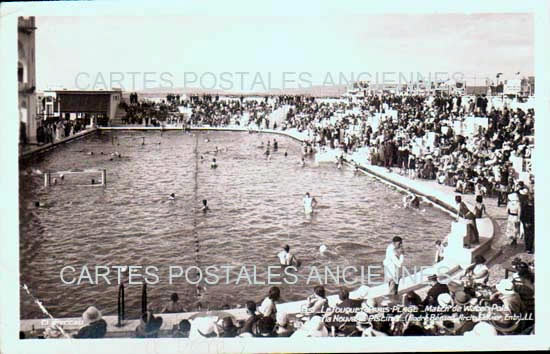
(436, 290)
(346, 308)
(527, 217)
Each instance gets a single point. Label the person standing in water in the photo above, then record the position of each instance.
(309, 203)
(286, 258)
(213, 164)
(205, 207)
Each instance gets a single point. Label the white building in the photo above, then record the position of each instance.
(26, 76)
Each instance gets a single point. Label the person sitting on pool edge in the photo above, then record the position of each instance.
(94, 325)
(205, 207)
(214, 164)
(252, 317)
(268, 307)
(149, 325)
(182, 329)
(286, 258)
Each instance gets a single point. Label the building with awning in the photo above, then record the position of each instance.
(99, 106)
(477, 90)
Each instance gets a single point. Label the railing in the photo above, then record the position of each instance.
(120, 306)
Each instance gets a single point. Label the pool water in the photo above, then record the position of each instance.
(256, 208)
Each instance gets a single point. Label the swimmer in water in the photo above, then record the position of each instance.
(309, 203)
(303, 162)
(286, 258)
(411, 201)
(91, 153)
(205, 207)
(54, 181)
(62, 176)
(340, 162)
(172, 196)
(286, 154)
(213, 164)
(93, 181)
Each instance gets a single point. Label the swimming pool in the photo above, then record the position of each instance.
(256, 208)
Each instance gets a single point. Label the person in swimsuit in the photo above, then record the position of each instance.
(286, 258)
(411, 201)
(309, 203)
(205, 207)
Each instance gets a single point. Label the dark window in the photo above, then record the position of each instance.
(20, 73)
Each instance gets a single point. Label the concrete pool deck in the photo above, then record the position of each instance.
(441, 196)
(34, 150)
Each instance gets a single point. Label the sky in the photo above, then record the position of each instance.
(254, 53)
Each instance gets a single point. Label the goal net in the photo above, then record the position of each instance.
(96, 177)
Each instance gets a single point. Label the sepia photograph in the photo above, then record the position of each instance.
(199, 181)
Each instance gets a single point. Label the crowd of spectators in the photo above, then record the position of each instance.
(417, 135)
(462, 306)
(52, 131)
(419, 138)
(201, 110)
